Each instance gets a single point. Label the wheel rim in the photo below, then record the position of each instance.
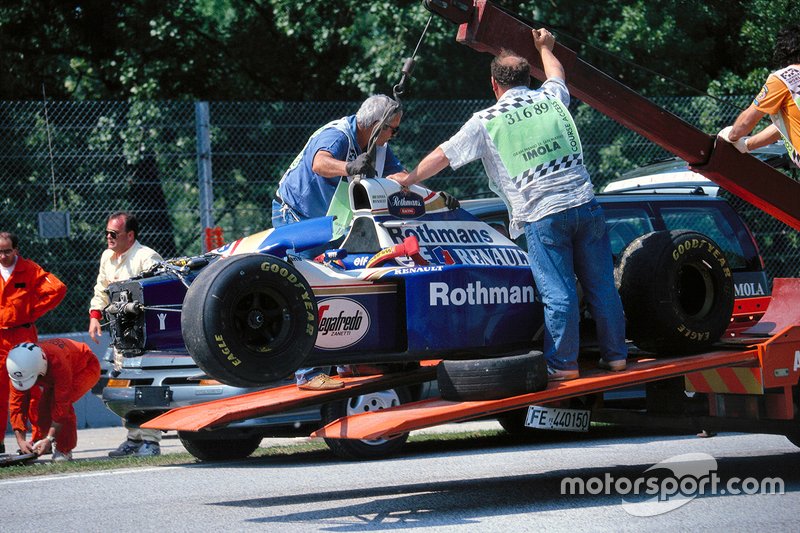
(262, 319)
(375, 401)
(695, 290)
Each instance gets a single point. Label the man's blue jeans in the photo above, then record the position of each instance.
(560, 247)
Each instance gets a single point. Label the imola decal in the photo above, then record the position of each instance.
(342, 323)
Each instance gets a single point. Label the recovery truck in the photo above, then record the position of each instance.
(748, 383)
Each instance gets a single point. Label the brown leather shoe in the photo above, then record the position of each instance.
(554, 374)
(321, 382)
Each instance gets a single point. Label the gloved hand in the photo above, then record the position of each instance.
(450, 202)
(361, 165)
(740, 143)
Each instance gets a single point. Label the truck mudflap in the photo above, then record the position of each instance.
(783, 310)
(395, 421)
(219, 413)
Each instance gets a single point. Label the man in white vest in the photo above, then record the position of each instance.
(779, 98)
(533, 158)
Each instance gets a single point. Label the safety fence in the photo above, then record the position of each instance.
(185, 166)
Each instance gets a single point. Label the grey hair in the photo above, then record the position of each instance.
(373, 109)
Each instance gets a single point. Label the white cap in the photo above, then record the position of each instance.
(26, 362)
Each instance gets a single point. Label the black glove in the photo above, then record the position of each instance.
(361, 165)
(450, 202)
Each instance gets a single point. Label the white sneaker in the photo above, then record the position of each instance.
(60, 457)
(148, 449)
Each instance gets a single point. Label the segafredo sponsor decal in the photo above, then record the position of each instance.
(342, 323)
(477, 293)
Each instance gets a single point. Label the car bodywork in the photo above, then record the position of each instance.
(158, 373)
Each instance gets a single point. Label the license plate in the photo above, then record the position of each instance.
(152, 396)
(557, 418)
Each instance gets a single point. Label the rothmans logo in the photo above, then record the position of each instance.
(17, 374)
(406, 204)
(477, 294)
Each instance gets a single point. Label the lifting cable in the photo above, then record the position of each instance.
(397, 92)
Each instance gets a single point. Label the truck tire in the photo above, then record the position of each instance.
(360, 450)
(491, 379)
(222, 449)
(249, 320)
(677, 291)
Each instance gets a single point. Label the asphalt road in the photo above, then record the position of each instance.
(479, 484)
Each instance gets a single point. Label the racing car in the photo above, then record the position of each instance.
(409, 279)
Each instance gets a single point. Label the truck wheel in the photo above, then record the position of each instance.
(490, 379)
(249, 320)
(222, 449)
(365, 449)
(677, 291)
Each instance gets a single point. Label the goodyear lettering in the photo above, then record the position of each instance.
(477, 294)
(693, 335)
(224, 350)
(309, 315)
(716, 253)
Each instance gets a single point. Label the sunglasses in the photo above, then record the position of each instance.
(7, 251)
(393, 128)
(111, 233)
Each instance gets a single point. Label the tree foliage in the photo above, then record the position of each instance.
(307, 49)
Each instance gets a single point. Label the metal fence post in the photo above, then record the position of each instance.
(204, 175)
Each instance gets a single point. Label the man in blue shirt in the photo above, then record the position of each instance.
(336, 150)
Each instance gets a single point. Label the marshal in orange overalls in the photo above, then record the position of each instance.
(72, 370)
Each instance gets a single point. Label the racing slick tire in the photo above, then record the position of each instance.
(360, 450)
(491, 379)
(249, 320)
(222, 449)
(677, 291)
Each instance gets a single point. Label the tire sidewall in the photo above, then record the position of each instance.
(214, 331)
(677, 291)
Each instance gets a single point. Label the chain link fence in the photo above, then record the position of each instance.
(73, 163)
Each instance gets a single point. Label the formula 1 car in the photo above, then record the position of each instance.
(410, 280)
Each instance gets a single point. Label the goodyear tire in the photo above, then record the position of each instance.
(490, 379)
(222, 449)
(365, 449)
(677, 291)
(249, 320)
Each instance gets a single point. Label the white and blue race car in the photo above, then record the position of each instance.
(409, 279)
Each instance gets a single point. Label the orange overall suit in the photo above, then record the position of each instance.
(72, 370)
(29, 293)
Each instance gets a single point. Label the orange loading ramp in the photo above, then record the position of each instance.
(777, 351)
(426, 413)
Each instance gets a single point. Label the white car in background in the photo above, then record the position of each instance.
(672, 175)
